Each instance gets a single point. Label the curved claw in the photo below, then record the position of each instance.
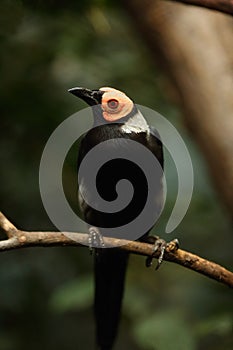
(149, 260)
(160, 245)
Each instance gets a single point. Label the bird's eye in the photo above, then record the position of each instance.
(113, 104)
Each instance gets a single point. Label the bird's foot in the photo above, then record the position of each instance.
(95, 239)
(160, 245)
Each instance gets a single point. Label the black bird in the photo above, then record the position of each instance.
(115, 117)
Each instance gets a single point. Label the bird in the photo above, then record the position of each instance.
(115, 117)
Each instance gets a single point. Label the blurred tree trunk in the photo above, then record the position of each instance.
(195, 48)
(225, 6)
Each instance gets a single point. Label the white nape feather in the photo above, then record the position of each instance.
(136, 124)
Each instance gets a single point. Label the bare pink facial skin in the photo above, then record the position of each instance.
(115, 104)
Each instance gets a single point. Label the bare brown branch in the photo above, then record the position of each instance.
(22, 239)
(225, 6)
(7, 226)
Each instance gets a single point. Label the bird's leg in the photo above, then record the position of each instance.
(95, 238)
(160, 245)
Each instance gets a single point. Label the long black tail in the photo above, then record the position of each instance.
(110, 269)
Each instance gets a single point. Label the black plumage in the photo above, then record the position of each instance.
(110, 264)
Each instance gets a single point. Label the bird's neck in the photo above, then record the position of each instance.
(135, 124)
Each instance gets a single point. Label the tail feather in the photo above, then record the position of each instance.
(110, 269)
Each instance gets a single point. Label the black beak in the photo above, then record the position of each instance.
(91, 97)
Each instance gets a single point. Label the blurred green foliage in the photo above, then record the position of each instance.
(46, 294)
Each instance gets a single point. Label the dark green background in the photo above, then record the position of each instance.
(46, 294)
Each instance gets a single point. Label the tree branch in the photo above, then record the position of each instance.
(225, 6)
(21, 239)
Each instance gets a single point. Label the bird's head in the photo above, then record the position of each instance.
(114, 104)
